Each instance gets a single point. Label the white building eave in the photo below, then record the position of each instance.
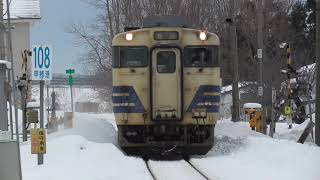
(23, 20)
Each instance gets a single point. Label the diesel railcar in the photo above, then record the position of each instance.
(166, 89)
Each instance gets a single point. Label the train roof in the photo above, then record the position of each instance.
(165, 21)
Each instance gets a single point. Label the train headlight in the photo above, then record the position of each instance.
(129, 36)
(203, 36)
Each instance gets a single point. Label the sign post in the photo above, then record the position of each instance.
(41, 71)
(70, 83)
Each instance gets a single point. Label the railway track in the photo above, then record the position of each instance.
(196, 169)
(166, 170)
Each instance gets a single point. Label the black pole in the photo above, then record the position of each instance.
(40, 156)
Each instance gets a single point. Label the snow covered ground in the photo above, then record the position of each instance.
(89, 152)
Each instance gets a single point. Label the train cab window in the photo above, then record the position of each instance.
(129, 57)
(201, 56)
(166, 62)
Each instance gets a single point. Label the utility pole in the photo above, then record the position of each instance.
(260, 57)
(24, 109)
(317, 120)
(22, 85)
(234, 54)
(71, 92)
(13, 84)
(48, 106)
(3, 77)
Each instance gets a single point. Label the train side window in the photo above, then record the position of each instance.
(201, 56)
(129, 57)
(166, 62)
(115, 57)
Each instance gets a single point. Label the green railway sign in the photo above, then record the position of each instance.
(70, 79)
(70, 71)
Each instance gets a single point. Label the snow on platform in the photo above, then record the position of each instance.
(75, 158)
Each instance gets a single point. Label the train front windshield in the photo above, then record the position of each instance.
(129, 57)
(202, 56)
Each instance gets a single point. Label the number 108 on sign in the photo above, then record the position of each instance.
(41, 62)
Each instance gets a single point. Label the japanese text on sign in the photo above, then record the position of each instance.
(38, 141)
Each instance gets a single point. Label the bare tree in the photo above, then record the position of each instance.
(114, 15)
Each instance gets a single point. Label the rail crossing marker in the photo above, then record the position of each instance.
(41, 62)
(38, 141)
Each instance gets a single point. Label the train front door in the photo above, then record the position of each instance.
(166, 84)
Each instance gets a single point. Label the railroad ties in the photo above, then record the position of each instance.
(161, 170)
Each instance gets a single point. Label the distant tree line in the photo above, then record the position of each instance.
(290, 21)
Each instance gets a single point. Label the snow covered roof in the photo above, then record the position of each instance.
(22, 9)
(228, 88)
(251, 105)
(35, 104)
(8, 64)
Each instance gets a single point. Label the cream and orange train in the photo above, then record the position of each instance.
(166, 89)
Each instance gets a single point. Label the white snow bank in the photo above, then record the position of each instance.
(234, 130)
(283, 132)
(240, 153)
(264, 158)
(73, 157)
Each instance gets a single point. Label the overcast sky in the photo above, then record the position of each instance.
(51, 30)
